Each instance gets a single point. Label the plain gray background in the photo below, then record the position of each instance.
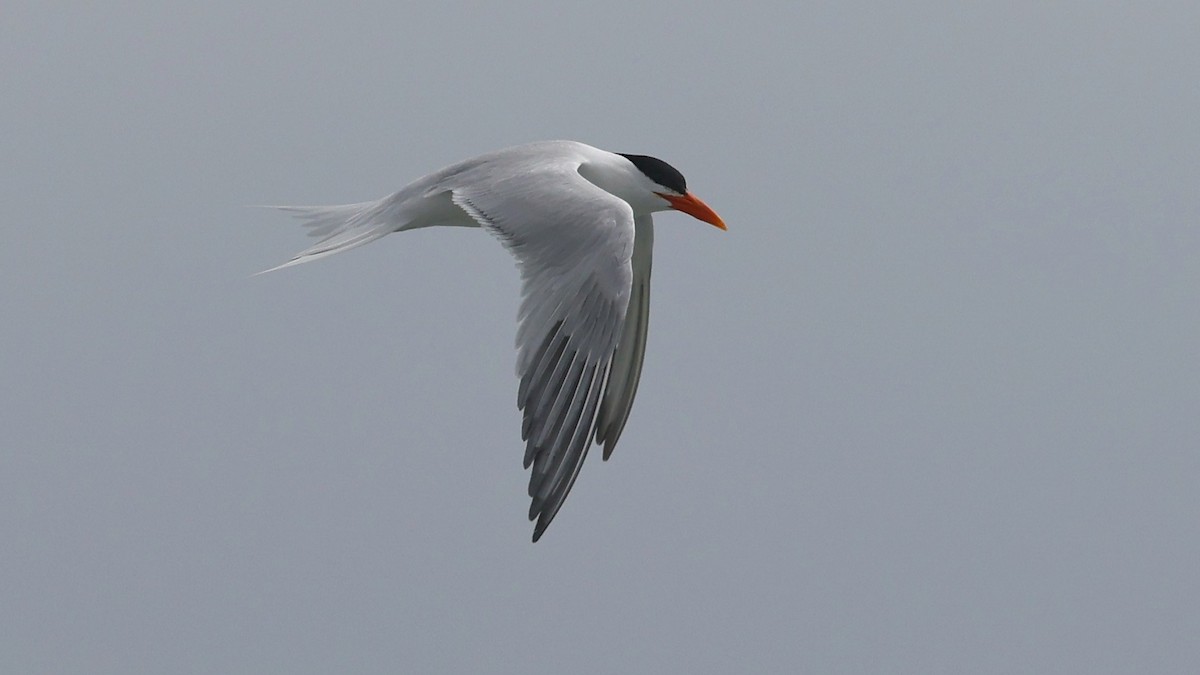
(930, 405)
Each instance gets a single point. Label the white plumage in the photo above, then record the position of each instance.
(578, 221)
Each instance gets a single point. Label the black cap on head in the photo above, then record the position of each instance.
(659, 171)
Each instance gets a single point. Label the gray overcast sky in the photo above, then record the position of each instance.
(930, 405)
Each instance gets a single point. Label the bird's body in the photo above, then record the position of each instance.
(578, 220)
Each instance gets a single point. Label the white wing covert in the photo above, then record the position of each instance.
(573, 243)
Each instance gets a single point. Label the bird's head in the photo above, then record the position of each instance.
(667, 183)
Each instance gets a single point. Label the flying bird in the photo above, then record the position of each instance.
(578, 221)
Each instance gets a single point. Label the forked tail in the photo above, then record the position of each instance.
(342, 227)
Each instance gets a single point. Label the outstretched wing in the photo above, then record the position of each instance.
(574, 243)
(626, 368)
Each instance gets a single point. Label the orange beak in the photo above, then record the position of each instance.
(691, 205)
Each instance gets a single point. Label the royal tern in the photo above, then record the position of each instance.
(578, 221)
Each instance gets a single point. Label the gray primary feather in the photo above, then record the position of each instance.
(575, 294)
(626, 368)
